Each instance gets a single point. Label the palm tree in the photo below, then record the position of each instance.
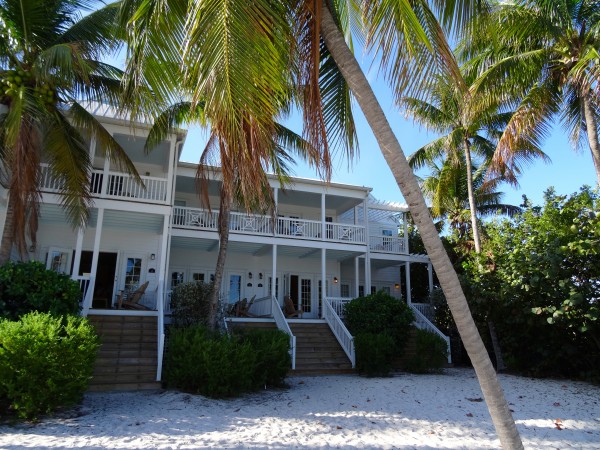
(446, 189)
(49, 65)
(471, 123)
(392, 152)
(545, 53)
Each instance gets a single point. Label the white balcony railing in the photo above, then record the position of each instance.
(250, 223)
(298, 228)
(386, 244)
(346, 233)
(195, 218)
(117, 186)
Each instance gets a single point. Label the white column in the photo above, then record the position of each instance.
(408, 296)
(92, 150)
(105, 175)
(78, 246)
(90, 292)
(323, 234)
(356, 276)
(323, 277)
(162, 267)
(170, 170)
(368, 252)
(274, 272)
(430, 277)
(275, 216)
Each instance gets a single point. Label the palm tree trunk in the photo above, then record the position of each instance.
(492, 391)
(471, 196)
(6, 244)
(224, 210)
(592, 131)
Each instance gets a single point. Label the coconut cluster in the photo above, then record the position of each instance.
(13, 80)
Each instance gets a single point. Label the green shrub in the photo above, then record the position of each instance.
(379, 313)
(273, 359)
(431, 353)
(207, 363)
(374, 353)
(190, 304)
(45, 362)
(28, 286)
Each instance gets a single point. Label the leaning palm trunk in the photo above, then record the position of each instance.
(592, 131)
(213, 308)
(492, 391)
(472, 206)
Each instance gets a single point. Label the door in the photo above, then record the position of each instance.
(104, 287)
(306, 299)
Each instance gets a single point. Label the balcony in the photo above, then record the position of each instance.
(386, 244)
(201, 219)
(118, 185)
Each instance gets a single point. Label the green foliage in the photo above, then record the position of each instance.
(216, 365)
(374, 354)
(273, 359)
(379, 313)
(431, 353)
(46, 362)
(380, 325)
(190, 304)
(538, 282)
(28, 286)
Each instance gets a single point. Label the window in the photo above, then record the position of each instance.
(198, 277)
(59, 260)
(177, 277)
(386, 289)
(133, 273)
(305, 294)
(345, 290)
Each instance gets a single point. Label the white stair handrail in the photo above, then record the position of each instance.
(285, 327)
(423, 323)
(339, 330)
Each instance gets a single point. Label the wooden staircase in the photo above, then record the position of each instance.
(318, 351)
(127, 358)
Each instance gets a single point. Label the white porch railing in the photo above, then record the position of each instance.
(298, 228)
(250, 223)
(424, 323)
(118, 185)
(285, 327)
(84, 284)
(338, 328)
(338, 303)
(195, 218)
(386, 244)
(346, 233)
(426, 309)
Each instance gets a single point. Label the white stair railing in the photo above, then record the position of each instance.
(423, 323)
(339, 330)
(285, 327)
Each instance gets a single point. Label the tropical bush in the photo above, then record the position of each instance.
(190, 304)
(46, 362)
(216, 365)
(380, 325)
(431, 353)
(29, 286)
(538, 281)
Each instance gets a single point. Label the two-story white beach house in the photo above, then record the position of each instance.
(319, 235)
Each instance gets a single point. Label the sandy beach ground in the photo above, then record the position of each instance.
(327, 412)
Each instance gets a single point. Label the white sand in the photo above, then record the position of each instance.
(346, 412)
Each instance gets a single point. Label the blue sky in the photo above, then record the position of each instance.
(566, 172)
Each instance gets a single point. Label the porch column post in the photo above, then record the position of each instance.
(274, 273)
(105, 174)
(78, 246)
(323, 277)
(408, 296)
(356, 276)
(323, 216)
(162, 267)
(170, 171)
(92, 150)
(430, 277)
(275, 215)
(87, 304)
(405, 228)
(368, 250)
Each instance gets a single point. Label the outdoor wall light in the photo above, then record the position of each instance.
(260, 275)
(152, 256)
(250, 275)
(335, 280)
(397, 286)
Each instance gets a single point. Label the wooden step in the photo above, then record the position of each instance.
(121, 386)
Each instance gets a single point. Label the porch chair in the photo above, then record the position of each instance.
(133, 300)
(245, 312)
(289, 310)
